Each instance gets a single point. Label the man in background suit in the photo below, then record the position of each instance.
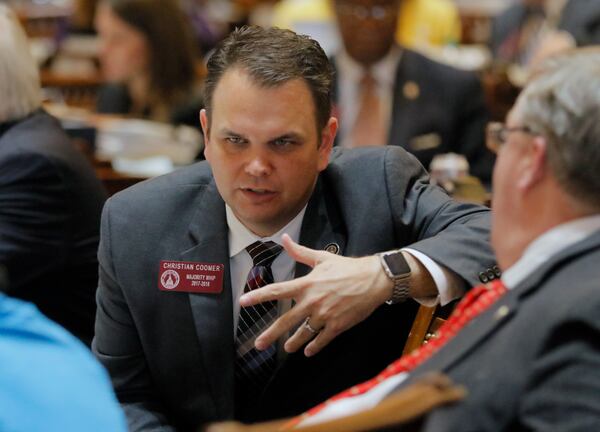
(530, 360)
(529, 28)
(390, 95)
(50, 199)
(171, 345)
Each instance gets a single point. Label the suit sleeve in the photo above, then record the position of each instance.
(117, 344)
(453, 234)
(564, 394)
(34, 219)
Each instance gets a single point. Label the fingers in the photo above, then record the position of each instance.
(307, 331)
(289, 289)
(303, 335)
(276, 291)
(284, 324)
(320, 342)
(302, 254)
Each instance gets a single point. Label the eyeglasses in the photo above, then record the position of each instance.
(377, 12)
(497, 134)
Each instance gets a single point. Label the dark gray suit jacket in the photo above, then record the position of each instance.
(170, 354)
(50, 205)
(448, 115)
(531, 362)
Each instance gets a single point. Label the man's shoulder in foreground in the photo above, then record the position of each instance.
(46, 370)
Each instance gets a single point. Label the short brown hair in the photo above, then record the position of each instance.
(273, 57)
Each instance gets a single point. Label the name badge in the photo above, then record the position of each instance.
(193, 277)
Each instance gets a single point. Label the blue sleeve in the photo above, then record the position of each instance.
(49, 380)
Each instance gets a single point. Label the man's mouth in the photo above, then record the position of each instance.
(259, 191)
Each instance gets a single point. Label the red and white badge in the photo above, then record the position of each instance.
(194, 277)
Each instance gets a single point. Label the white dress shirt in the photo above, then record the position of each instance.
(537, 253)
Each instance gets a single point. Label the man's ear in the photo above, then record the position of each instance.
(535, 165)
(205, 131)
(327, 139)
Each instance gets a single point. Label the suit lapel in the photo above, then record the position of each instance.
(212, 313)
(322, 225)
(501, 312)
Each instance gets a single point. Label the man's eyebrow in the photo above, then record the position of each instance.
(227, 131)
(294, 136)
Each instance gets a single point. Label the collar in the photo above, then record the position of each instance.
(549, 244)
(241, 237)
(384, 71)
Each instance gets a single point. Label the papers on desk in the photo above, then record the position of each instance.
(145, 148)
(146, 167)
(140, 148)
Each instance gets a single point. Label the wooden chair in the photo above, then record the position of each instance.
(426, 323)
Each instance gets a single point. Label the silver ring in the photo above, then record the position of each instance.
(308, 327)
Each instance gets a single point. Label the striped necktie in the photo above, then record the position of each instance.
(253, 368)
(473, 304)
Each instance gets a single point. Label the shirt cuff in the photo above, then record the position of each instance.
(449, 284)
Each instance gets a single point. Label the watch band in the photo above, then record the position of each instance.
(397, 269)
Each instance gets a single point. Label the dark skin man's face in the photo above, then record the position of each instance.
(367, 27)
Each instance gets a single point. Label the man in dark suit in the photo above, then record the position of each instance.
(175, 252)
(520, 31)
(426, 107)
(530, 360)
(50, 199)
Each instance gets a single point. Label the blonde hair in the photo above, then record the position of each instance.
(20, 92)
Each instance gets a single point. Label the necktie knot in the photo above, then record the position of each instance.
(263, 253)
(368, 82)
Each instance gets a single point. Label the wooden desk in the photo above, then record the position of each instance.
(112, 180)
(73, 90)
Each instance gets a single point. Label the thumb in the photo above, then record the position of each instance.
(302, 254)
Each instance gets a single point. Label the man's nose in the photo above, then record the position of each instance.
(258, 166)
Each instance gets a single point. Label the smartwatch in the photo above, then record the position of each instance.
(397, 269)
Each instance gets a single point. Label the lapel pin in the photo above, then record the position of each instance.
(411, 90)
(333, 248)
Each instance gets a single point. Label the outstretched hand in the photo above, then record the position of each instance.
(337, 294)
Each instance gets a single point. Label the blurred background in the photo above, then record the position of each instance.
(125, 76)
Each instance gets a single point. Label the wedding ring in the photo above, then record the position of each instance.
(308, 327)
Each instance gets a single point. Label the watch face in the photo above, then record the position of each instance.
(396, 263)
